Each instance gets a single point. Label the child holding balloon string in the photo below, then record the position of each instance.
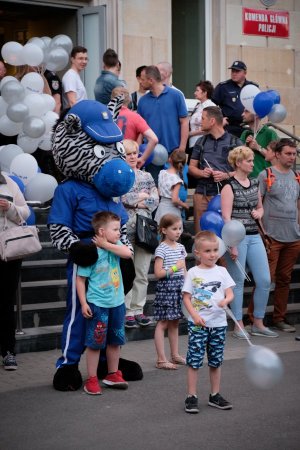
(169, 269)
(207, 291)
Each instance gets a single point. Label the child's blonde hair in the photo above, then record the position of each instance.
(130, 145)
(238, 154)
(203, 236)
(167, 221)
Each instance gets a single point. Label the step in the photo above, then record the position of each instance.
(48, 337)
(51, 311)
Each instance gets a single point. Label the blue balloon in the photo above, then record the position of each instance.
(31, 219)
(19, 182)
(212, 221)
(215, 204)
(149, 160)
(275, 96)
(262, 104)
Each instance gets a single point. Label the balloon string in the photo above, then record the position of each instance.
(218, 183)
(230, 314)
(240, 267)
(242, 270)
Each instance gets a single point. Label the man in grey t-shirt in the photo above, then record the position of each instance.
(281, 200)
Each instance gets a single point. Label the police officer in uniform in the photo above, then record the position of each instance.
(227, 96)
(55, 85)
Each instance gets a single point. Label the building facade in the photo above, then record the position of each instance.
(200, 37)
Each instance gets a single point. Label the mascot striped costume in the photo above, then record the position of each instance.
(88, 150)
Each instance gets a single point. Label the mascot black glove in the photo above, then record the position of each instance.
(83, 254)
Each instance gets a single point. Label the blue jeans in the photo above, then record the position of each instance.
(251, 252)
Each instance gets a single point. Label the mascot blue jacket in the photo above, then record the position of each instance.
(88, 150)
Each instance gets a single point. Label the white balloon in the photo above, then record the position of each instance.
(13, 91)
(32, 55)
(40, 188)
(160, 155)
(33, 83)
(50, 119)
(57, 59)
(5, 80)
(24, 166)
(46, 142)
(247, 96)
(27, 144)
(35, 104)
(233, 232)
(17, 112)
(222, 247)
(34, 126)
(8, 153)
(277, 113)
(8, 127)
(37, 41)
(47, 40)
(49, 102)
(3, 107)
(264, 368)
(62, 40)
(12, 53)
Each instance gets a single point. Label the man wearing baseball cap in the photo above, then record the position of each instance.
(227, 96)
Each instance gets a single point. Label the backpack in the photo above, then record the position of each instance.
(270, 180)
(192, 182)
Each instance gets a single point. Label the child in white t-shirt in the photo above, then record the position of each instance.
(207, 291)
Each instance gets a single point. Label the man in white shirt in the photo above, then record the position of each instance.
(73, 87)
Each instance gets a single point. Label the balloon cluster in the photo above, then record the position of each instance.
(28, 113)
(263, 103)
(229, 234)
(53, 53)
(23, 169)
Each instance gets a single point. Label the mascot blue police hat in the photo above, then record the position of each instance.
(96, 121)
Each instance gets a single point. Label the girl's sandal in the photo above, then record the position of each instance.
(178, 360)
(166, 365)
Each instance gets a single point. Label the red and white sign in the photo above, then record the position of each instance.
(262, 22)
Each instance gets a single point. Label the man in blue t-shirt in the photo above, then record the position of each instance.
(165, 111)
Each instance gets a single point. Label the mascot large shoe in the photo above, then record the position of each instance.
(88, 150)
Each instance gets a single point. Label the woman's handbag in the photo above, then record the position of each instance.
(18, 242)
(146, 235)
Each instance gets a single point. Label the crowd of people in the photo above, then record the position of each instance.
(228, 152)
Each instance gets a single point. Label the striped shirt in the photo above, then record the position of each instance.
(171, 255)
(244, 201)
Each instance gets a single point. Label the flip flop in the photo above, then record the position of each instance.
(166, 365)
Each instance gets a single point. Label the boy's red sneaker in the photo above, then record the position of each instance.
(92, 386)
(115, 380)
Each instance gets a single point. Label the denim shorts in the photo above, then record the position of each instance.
(210, 339)
(105, 327)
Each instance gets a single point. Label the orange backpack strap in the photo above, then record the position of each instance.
(270, 178)
(297, 176)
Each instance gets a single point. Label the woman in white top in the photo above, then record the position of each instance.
(13, 211)
(203, 93)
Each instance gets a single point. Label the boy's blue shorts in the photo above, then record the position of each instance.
(210, 339)
(105, 327)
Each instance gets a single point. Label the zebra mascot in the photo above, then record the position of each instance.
(88, 150)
